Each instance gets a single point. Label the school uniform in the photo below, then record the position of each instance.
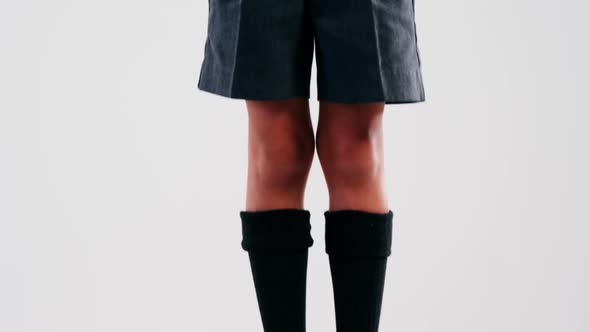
(366, 50)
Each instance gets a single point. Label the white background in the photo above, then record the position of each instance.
(120, 182)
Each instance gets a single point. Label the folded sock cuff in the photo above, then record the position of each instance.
(276, 230)
(358, 233)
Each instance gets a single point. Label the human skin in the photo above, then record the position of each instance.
(282, 145)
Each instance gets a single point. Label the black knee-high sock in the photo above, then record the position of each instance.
(277, 242)
(358, 244)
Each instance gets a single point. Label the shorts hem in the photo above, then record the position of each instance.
(246, 96)
(385, 101)
(397, 87)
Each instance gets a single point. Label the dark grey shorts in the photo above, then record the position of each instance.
(366, 50)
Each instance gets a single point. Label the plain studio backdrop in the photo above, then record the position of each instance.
(120, 182)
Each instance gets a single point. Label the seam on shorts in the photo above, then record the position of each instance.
(203, 62)
(207, 46)
(415, 32)
(233, 72)
(379, 61)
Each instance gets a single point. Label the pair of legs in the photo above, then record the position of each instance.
(282, 145)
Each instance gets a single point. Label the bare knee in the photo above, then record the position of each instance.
(283, 162)
(349, 144)
(350, 160)
(281, 142)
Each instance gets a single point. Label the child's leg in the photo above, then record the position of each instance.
(359, 222)
(281, 148)
(349, 143)
(275, 227)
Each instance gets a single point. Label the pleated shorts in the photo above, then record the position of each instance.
(365, 50)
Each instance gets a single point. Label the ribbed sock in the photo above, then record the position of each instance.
(277, 242)
(358, 244)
